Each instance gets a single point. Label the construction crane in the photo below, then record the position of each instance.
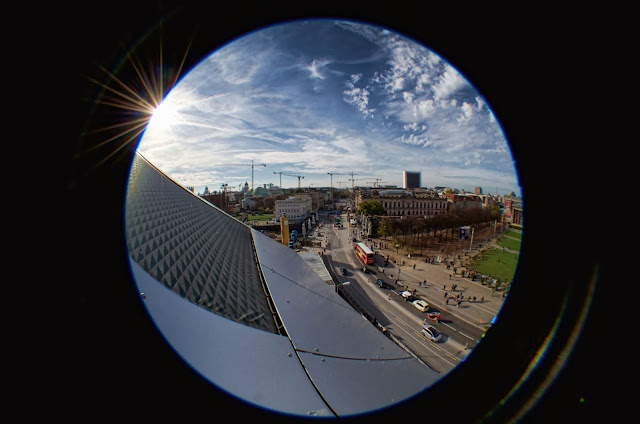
(252, 165)
(355, 179)
(332, 174)
(341, 182)
(280, 178)
(291, 175)
(352, 180)
(375, 183)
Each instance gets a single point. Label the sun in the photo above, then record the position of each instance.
(163, 116)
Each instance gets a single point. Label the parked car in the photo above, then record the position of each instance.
(421, 305)
(430, 332)
(344, 271)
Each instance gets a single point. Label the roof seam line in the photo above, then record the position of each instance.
(351, 358)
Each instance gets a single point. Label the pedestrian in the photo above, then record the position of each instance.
(444, 287)
(389, 297)
(482, 299)
(459, 302)
(449, 276)
(414, 266)
(474, 298)
(445, 294)
(425, 283)
(447, 301)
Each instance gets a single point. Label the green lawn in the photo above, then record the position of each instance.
(513, 234)
(498, 263)
(510, 243)
(264, 217)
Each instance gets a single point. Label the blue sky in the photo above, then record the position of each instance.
(312, 97)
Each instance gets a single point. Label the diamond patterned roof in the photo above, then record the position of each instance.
(193, 248)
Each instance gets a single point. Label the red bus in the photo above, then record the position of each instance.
(364, 253)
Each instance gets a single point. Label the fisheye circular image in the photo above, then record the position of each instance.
(323, 218)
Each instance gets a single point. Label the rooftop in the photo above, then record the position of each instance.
(226, 297)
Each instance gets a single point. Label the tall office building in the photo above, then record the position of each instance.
(411, 179)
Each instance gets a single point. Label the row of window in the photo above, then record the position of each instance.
(416, 213)
(416, 205)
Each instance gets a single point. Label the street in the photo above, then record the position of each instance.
(402, 320)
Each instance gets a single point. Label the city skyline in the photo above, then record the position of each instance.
(312, 97)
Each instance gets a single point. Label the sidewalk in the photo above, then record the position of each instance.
(440, 281)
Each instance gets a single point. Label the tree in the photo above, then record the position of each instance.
(397, 243)
(386, 227)
(371, 207)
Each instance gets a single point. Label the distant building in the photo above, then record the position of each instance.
(477, 190)
(513, 209)
(297, 208)
(403, 203)
(464, 201)
(411, 179)
(317, 199)
(217, 199)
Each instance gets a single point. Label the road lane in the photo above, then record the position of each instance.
(402, 320)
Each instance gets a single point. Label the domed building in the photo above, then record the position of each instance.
(248, 201)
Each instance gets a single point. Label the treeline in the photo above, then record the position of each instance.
(420, 232)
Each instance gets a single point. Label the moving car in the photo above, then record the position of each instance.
(435, 316)
(430, 332)
(421, 305)
(382, 284)
(407, 295)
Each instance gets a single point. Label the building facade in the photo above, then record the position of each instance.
(403, 203)
(296, 208)
(464, 201)
(411, 179)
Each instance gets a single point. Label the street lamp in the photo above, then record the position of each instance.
(346, 283)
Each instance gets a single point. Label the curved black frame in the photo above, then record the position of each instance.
(533, 363)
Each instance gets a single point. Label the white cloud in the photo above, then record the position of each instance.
(396, 84)
(359, 97)
(467, 113)
(448, 83)
(408, 97)
(315, 69)
(413, 127)
(415, 140)
(424, 108)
